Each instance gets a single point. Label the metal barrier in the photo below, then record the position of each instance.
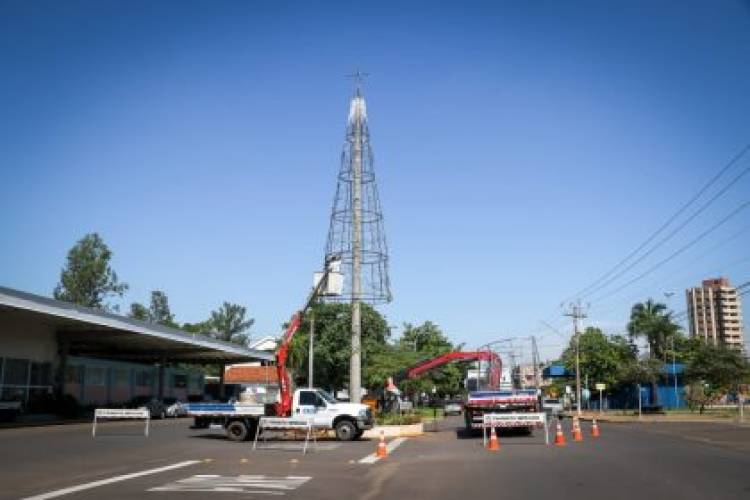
(101, 413)
(490, 420)
(284, 424)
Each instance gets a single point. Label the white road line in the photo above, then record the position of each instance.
(116, 479)
(371, 459)
(267, 485)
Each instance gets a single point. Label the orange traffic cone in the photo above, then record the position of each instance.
(594, 428)
(559, 436)
(382, 450)
(577, 435)
(494, 444)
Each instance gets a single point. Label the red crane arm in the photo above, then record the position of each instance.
(453, 356)
(284, 407)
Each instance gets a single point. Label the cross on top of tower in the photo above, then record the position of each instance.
(359, 78)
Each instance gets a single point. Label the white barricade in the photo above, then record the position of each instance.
(100, 413)
(284, 424)
(490, 420)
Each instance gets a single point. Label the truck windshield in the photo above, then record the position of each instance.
(329, 399)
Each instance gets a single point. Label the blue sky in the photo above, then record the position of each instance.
(521, 150)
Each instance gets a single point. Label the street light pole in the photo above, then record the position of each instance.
(674, 374)
(310, 354)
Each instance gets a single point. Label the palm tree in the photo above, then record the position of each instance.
(652, 321)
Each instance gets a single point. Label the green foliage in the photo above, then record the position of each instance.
(713, 372)
(430, 341)
(642, 371)
(138, 311)
(653, 321)
(602, 358)
(228, 323)
(426, 338)
(332, 344)
(398, 418)
(87, 278)
(157, 312)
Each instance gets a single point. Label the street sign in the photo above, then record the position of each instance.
(568, 390)
(600, 387)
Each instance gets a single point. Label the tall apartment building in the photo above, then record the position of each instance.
(715, 313)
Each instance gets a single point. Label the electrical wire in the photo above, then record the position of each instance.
(678, 252)
(589, 289)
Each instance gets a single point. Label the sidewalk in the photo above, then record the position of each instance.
(629, 417)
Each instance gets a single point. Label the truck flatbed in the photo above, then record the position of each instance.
(225, 410)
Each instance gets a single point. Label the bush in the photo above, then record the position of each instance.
(396, 419)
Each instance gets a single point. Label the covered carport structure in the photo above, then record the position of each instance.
(47, 332)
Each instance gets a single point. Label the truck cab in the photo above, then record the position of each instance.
(348, 420)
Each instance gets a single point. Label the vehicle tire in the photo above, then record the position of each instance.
(237, 431)
(163, 415)
(346, 430)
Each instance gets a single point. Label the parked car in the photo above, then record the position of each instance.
(175, 408)
(156, 408)
(552, 405)
(453, 408)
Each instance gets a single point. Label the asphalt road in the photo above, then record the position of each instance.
(629, 461)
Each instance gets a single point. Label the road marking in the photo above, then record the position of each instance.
(263, 485)
(372, 458)
(115, 479)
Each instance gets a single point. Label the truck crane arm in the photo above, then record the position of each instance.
(451, 357)
(284, 407)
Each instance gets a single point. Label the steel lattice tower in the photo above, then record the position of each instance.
(356, 232)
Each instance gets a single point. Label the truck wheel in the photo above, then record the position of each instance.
(346, 430)
(237, 431)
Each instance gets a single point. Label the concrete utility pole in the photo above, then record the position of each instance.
(355, 363)
(310, 356)
(576, 312)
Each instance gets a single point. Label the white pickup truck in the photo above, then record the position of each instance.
(240, 420)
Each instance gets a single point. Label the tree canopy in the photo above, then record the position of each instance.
(87, 278)
(158, 310)
(332, 345)
(229, 323)
(652, 321)
(602, 358)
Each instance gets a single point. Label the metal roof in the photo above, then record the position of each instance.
(90, 332)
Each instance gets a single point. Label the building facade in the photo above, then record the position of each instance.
(715, 313)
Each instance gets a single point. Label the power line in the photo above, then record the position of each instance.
(678, 252)
(671, 277)
(587, 290)
(676, 230)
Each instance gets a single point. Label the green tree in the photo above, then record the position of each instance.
(428, 340)
(713, 372)
(138, 311)
(601, 358)
(157, 312)
(652, 321)
(87, 278)
(228, 323)
(332, 346)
